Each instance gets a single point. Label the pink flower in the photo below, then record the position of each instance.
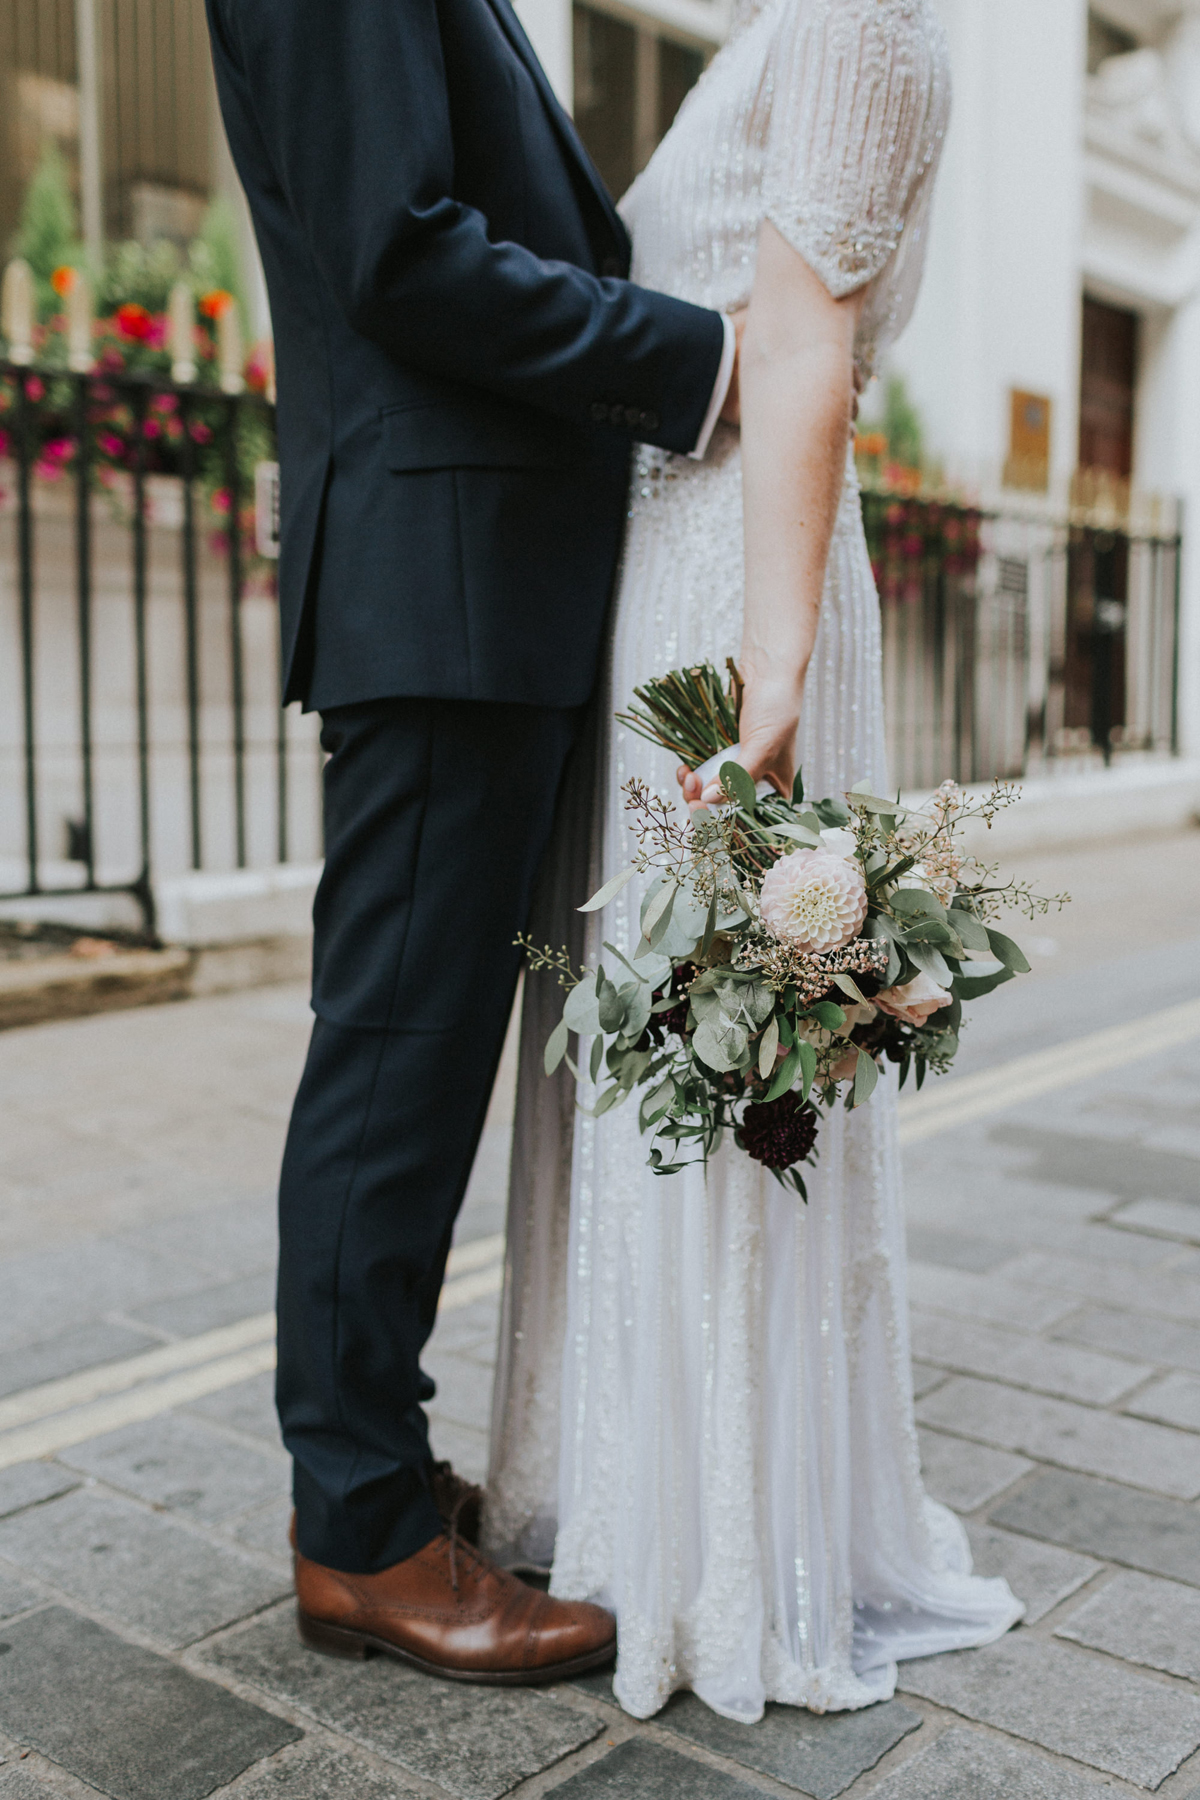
(814, 900)
(915, 1002)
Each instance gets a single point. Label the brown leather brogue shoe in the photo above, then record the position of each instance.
(450, 1612)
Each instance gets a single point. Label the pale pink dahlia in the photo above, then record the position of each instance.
(814, 900)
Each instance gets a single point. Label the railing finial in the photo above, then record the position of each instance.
(16, 310)
(183, 333)
(230, 355)
(80, 358)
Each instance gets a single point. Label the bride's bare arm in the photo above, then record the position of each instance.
(796, 391)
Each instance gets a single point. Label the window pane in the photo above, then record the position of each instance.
(604, 98)
(679, 68)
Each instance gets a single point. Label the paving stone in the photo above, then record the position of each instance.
(924, 1379)
(181, 1464)
(465, 1448)
(1031, 1362)
(1109, 1521)
(322, 1773)
(820, 1755)
(1143, 1620)
(211, 1307)
(1175, 1400)
(1101, 1163)
(84, 1348)
(1102, 1715)
(15, 1784)
(1174, 1296)
(266, 1529)
(640, 1770)
(28, 1484)
(1099, 1443)
(1171, 1218)
(236, 1239)
(248, 1406)
(52, 1291)
(957, 1249)
(964, 1475)
(993, 1298)
(475, 1742)
(963, 1765)
(1133, 1334)
(462, 1397)
(15, 1596)
(468, 1327)
(1039, 1574)
(130, 1723)
(116, 1557)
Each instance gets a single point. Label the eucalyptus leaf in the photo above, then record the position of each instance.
(609, 891)
(720, 1044)
(931, 960)
(866, 1074)
(1010, 954)
(768, 1044)
(611, 1097)
(827, 1014)
(658, 901)
(556, 1046)
(872, 803)
(785, 1074)
(917, 903)
(582, 1010)
(808, 1067)
(849, 986)
(973, 987)
(710, 925)
(657, 932)
(969, 928)
(798, 788)
(597, 1054)
(611, 1006)
(739, 785)
(831, 812)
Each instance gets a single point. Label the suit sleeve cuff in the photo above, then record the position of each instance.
(720, 389)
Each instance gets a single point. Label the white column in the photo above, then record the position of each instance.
(91, 173)
(548, 23)
(225, 181)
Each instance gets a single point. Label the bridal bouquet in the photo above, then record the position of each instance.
(788, 947)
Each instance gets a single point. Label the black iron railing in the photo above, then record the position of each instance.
(114, 479)
(1017, 641)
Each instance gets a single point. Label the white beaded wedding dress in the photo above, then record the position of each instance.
(703, 1407)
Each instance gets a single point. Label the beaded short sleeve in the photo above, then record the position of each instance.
(856, 99)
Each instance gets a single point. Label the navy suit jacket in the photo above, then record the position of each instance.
(461, 364)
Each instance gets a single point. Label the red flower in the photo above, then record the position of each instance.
(35, 388)
(221, 500)
(214, 303)
(133, 321)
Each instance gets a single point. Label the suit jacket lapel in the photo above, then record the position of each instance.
(516, 35)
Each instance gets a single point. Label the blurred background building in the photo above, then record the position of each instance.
(1030, 455)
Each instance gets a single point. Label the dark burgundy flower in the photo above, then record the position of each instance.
(779, 1132)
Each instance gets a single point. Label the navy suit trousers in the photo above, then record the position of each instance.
(437, 813)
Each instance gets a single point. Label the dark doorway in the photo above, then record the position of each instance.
(630, 81)
(1099, 563)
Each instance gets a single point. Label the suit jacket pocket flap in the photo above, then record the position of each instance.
(491, 436)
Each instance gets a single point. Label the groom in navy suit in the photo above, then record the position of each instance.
(463, 366)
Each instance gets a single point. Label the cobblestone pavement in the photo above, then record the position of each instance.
(147, 1649)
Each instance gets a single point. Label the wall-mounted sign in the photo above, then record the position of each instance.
(1028, 464)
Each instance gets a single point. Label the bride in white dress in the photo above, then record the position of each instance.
(703, 1407)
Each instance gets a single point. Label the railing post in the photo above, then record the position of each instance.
(145, 890)
(25, 585)
(191, 622)
(233, 484)
(83, 577)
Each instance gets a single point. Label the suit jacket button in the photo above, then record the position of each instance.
(634, 418)
(610, 266)
(649, 421)
(599, 412)
(616, 415)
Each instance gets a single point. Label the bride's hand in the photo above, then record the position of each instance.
(767, 730)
